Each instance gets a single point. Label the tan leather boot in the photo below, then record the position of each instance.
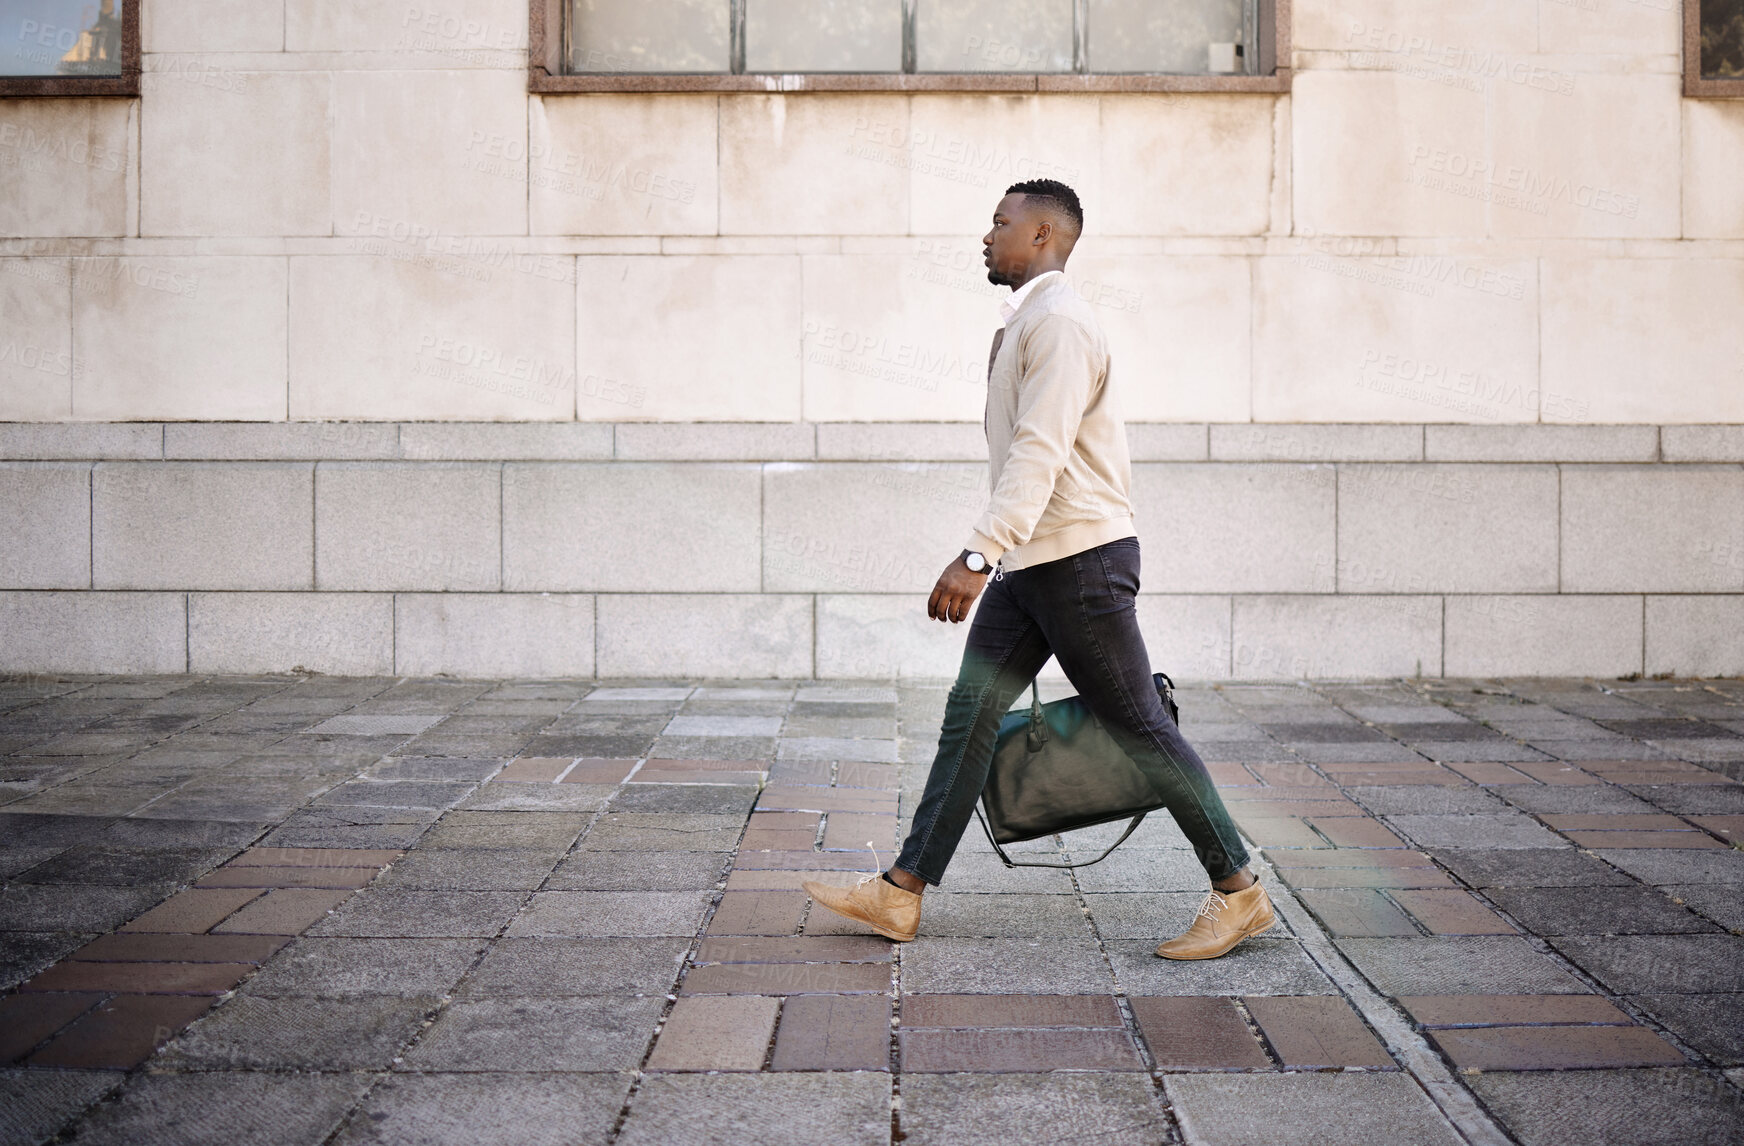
(887, 909)
(1223, 920)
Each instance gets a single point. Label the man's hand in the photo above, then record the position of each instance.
(955, 592)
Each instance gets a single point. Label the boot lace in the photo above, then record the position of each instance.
(1213, 904)
(877, 868)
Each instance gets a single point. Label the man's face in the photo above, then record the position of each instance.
(1010, 245)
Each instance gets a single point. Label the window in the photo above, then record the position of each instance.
(69, 47)
(995, 45)
(1713, 47)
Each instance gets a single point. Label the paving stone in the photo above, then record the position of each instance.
(315, 857)
(1554, 1048)
(1356, 911)
(67, 907)
(1451, 912)
(758, 913)
(1418, 800)
(194, 910)
(686, 799)
(554, 967)
(1156, 869)
(1355, 832)
(329, 968)
(716, 1033)
(251, 1033)
(1683, 840)
(141, 978)
(579, 1034)
(36, 1103)
(1263, 965)
(376, 725)
(120, 1033)
(978, 871)
(1707, 1022)
(639, 831)
(1016, 1051)
(1198, 1033)
(283, 911)
(1653, 1107)
(27, 1019)
(318, 877)
(990, 1109)
(1544, 867)
(24, 953)
(224, 1108)
(639, 871)
(454, 869)
(125, 867)
(1358, 877)
(1334, 1109)
(150, 948)
(1004, 966)
(1317, 1032)
(452, 768)
(1724, 904)
(993, 1011)
(416, 914)
(786, 1109)
(1510, 1010)
(537, 798)
(606, 913)
(1675, 964)
(1478, 965)
(833, 1032)
(534, 831)
(788, 979)
(1678, 865)
(1509, 829)
(489, 1110)
(803, 949)
(1597, 911)
(995, 915)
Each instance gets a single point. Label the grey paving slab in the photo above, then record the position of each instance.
(982, 871)
(1724, 904)
(451, 768)
(1336, 1109)
(413, 913)
(1552, 799)
(1151, 869)
(1597, 911)
(538, 798)
(1679, 865)
(705, 799)
(1672, 1106)
(24, 953)
(541, 967)
(836, 748)
(1654, 964)
(574, 1034)
(457, 869)
(1003, 915)
(36, 1103)
(639, 871)
(1500, 830)
(224, 1108)
(325, 968)
(947, 966)
(1459, 965)
(484, 829)
(489, 1110)
(997, 1110)
(125, 867)
(612, 913)
(384, 724)
(75, 907)
(1143, 915)
(14, 860)
(430, 794)
(1520, 867)
(252, 1033)
(787, 1109)
(646, 831)
(1424, 800)
(1709, 1023)
(1712, 799)
(1262, 965)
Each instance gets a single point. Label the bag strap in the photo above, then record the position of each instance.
(1009, 862)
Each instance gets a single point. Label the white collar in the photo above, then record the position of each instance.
(1008, 308)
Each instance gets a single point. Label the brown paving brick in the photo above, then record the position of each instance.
(802, 772)
(798, 949)
(1315, 1032)
(846, 830)
(864, 774)
(1290, 798)
(806, 798)
(772, 840)
(1231, 776)
(803, 861)
(287, 911)
(1357, 857)
(121, 1033)
(1357, 912)
(334, 877)
(1257, 802)
(1279, 831)
(660, 765)
(315, 857)
(1419, 777)
(833, 1032)
(1303, 878)
(533, 770)
(1554, 772)
(1554, 1048)
(1194, 1033)
(788, 979)
(758, 913)
(1356, 832)
(1509, 1010)
(716, 1032)
(1691, 839)
(148, 948)
(1451, 912)
(1289, 775)
(142, 978)
(194, 910)
(1020, 1051)
(26, 1020)
(1727, 827)
(592, 770)
(741, 779)
(1616, 823)
(1489, 773)
(985, 1011)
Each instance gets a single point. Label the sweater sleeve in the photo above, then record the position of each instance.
(1060, 368)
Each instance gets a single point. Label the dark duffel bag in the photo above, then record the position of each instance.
(1056, 768)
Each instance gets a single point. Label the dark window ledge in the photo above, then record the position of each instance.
(541, 80)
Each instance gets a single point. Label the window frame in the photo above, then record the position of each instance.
(545, 74)
(1695, 85)
(125, 84)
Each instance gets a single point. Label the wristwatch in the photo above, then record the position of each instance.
(975, 562)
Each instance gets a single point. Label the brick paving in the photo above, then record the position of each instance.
(307, 909)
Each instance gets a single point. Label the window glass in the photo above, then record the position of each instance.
(1164, 35)
(60, 37)
(823, 35)
(650, 36)
(1722, 38)
(993, 35)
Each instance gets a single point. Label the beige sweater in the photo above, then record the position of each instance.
(1060, 469)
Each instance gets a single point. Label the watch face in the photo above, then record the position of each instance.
(976, 562)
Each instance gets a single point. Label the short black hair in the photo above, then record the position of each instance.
(1055, 195)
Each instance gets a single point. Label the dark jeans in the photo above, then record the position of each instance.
(1080, 610)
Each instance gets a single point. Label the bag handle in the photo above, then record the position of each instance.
(1009, 862)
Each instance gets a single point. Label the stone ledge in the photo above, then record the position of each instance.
(1461, 443)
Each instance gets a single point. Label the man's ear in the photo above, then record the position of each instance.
(1044, 231)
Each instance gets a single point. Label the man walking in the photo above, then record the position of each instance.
(1059, 526)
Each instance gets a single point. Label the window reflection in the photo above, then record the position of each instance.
(60, 37)
(1722, 39)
